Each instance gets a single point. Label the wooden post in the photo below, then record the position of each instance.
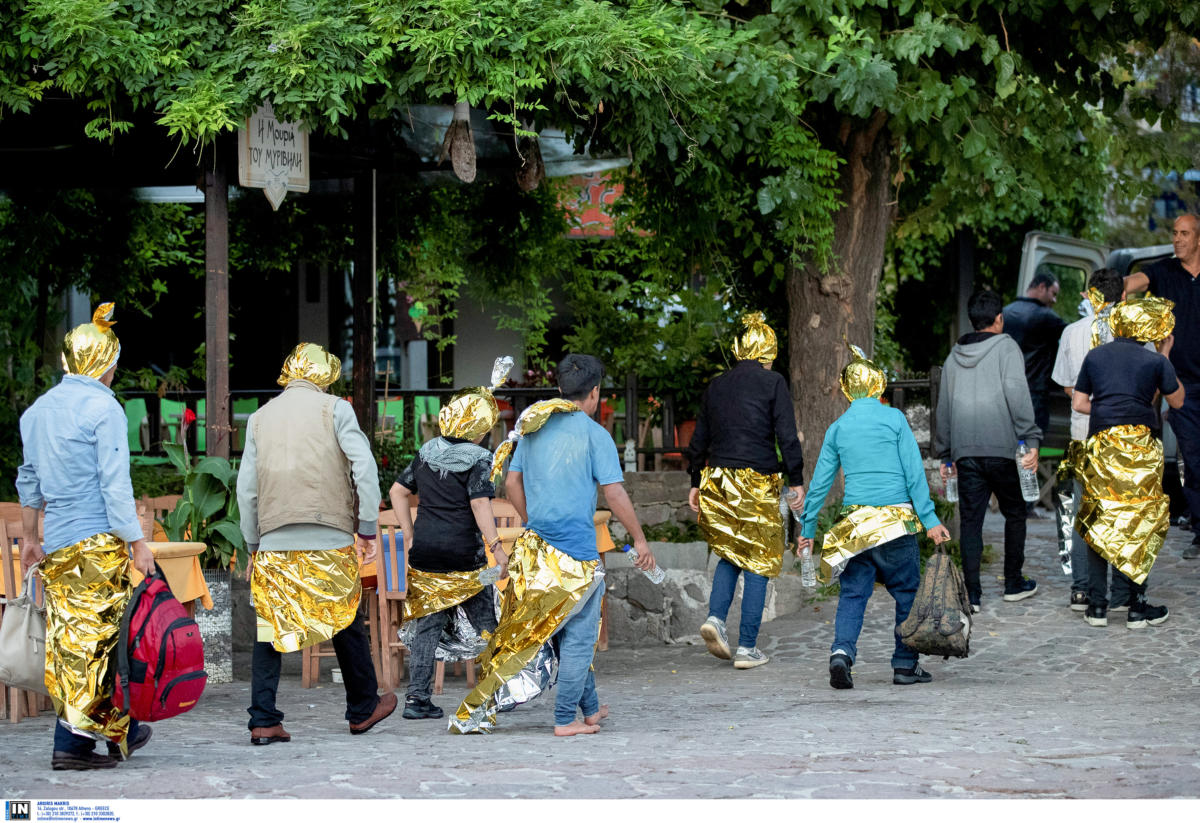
(365, 291)
(631, 411)
(216, 307)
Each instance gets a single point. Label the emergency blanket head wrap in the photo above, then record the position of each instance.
(532, 419)
(1147, 320)
(473, 412)
(305, 596)
(311, 363)
(546, 588)
(91, 349)
(1102, 310)
(1123, 513)
(740, 517)
(861, 528)
(87, 588)
(757, 341)
(861, 377)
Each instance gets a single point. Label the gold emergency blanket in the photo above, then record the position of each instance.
(545, 585)
(306, 596)
(1124, 514)
(861, 377)
(1147, 320)
(739, 515)
(861, 528)
(87, 590)
(757, 341)
(92, 348)
(432, 592)
(473, 412)
(313, 363)
(532, 419)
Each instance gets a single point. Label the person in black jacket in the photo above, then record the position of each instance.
(737, 481)
(1032, 322)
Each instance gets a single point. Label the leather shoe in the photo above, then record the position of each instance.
(265, 735)
(387, 705)
(69, 762)
(143, 738)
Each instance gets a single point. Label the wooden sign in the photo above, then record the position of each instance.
(272, 155)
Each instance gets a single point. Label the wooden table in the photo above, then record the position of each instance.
(180, 564)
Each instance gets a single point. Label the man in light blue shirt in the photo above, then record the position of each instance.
(552, 484)
(885, 482)
(76, 468)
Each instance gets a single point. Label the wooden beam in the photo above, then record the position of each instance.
(365, 292)
(216, 307)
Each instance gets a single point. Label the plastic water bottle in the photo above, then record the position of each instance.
(1029, 484)
(630, 456)
(808, 569)
(951, 484)
(489, 575)
(656, 575)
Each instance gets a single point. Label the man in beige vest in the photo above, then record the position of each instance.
(304, 462)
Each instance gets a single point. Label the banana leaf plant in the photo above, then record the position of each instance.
(208, 511)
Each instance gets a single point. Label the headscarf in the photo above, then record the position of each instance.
(312, 363)
(91, 349)
(757, 341)
(1147, 320)
(473, 412)
(861, 377)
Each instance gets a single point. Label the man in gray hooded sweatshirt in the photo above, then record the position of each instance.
(983, 409)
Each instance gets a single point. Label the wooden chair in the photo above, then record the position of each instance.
(16, 703)
(160, 507)
(311, 656)
(391, 590)
(505, 514)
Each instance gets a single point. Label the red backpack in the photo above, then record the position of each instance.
(160, 656)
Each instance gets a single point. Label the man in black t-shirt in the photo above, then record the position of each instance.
(1033, 324)
(1178, 279)
(446, 554)
(1123, 514)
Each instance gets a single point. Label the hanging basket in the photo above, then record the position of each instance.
(459, 144)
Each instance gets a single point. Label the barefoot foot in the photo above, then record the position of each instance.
(594, 719)
(574, 728)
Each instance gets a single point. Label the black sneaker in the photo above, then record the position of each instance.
(417, 709)
(1026, 588)
(1096, 615)
(1079, 601)
(906, 677)
(1143, 614)
(839, 671)
(1192, 551)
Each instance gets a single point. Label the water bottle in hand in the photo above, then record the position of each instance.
(808, 569)
(790, 495)
(951, 483)
(1029, 484)
(656, 575)
(489, 575)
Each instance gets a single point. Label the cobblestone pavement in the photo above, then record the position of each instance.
(1044, 707)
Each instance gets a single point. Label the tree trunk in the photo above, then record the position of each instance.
(829, 306)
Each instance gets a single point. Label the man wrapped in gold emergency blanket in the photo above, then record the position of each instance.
(545, 586)
(1124, 514)
(306, 596)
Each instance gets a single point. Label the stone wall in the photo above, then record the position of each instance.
(642, 613)
(658, 497)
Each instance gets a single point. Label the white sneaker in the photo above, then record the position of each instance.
(749, 658)
(713, 632)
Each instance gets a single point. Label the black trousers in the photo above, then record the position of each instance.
(1098, 583)
(1185, 422)
(427, 632)
(353, 647)
(978, 479)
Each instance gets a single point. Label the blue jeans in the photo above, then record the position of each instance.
(65, 741)
(576, 642)
(754, 595)
(898, 563)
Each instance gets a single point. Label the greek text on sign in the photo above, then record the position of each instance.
(272, 155)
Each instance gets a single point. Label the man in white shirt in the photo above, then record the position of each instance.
(1105, 289)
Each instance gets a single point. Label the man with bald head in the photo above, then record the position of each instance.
(1176, 279)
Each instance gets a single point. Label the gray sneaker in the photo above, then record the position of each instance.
(1192, 552)
(749, 658)
(713, 632)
